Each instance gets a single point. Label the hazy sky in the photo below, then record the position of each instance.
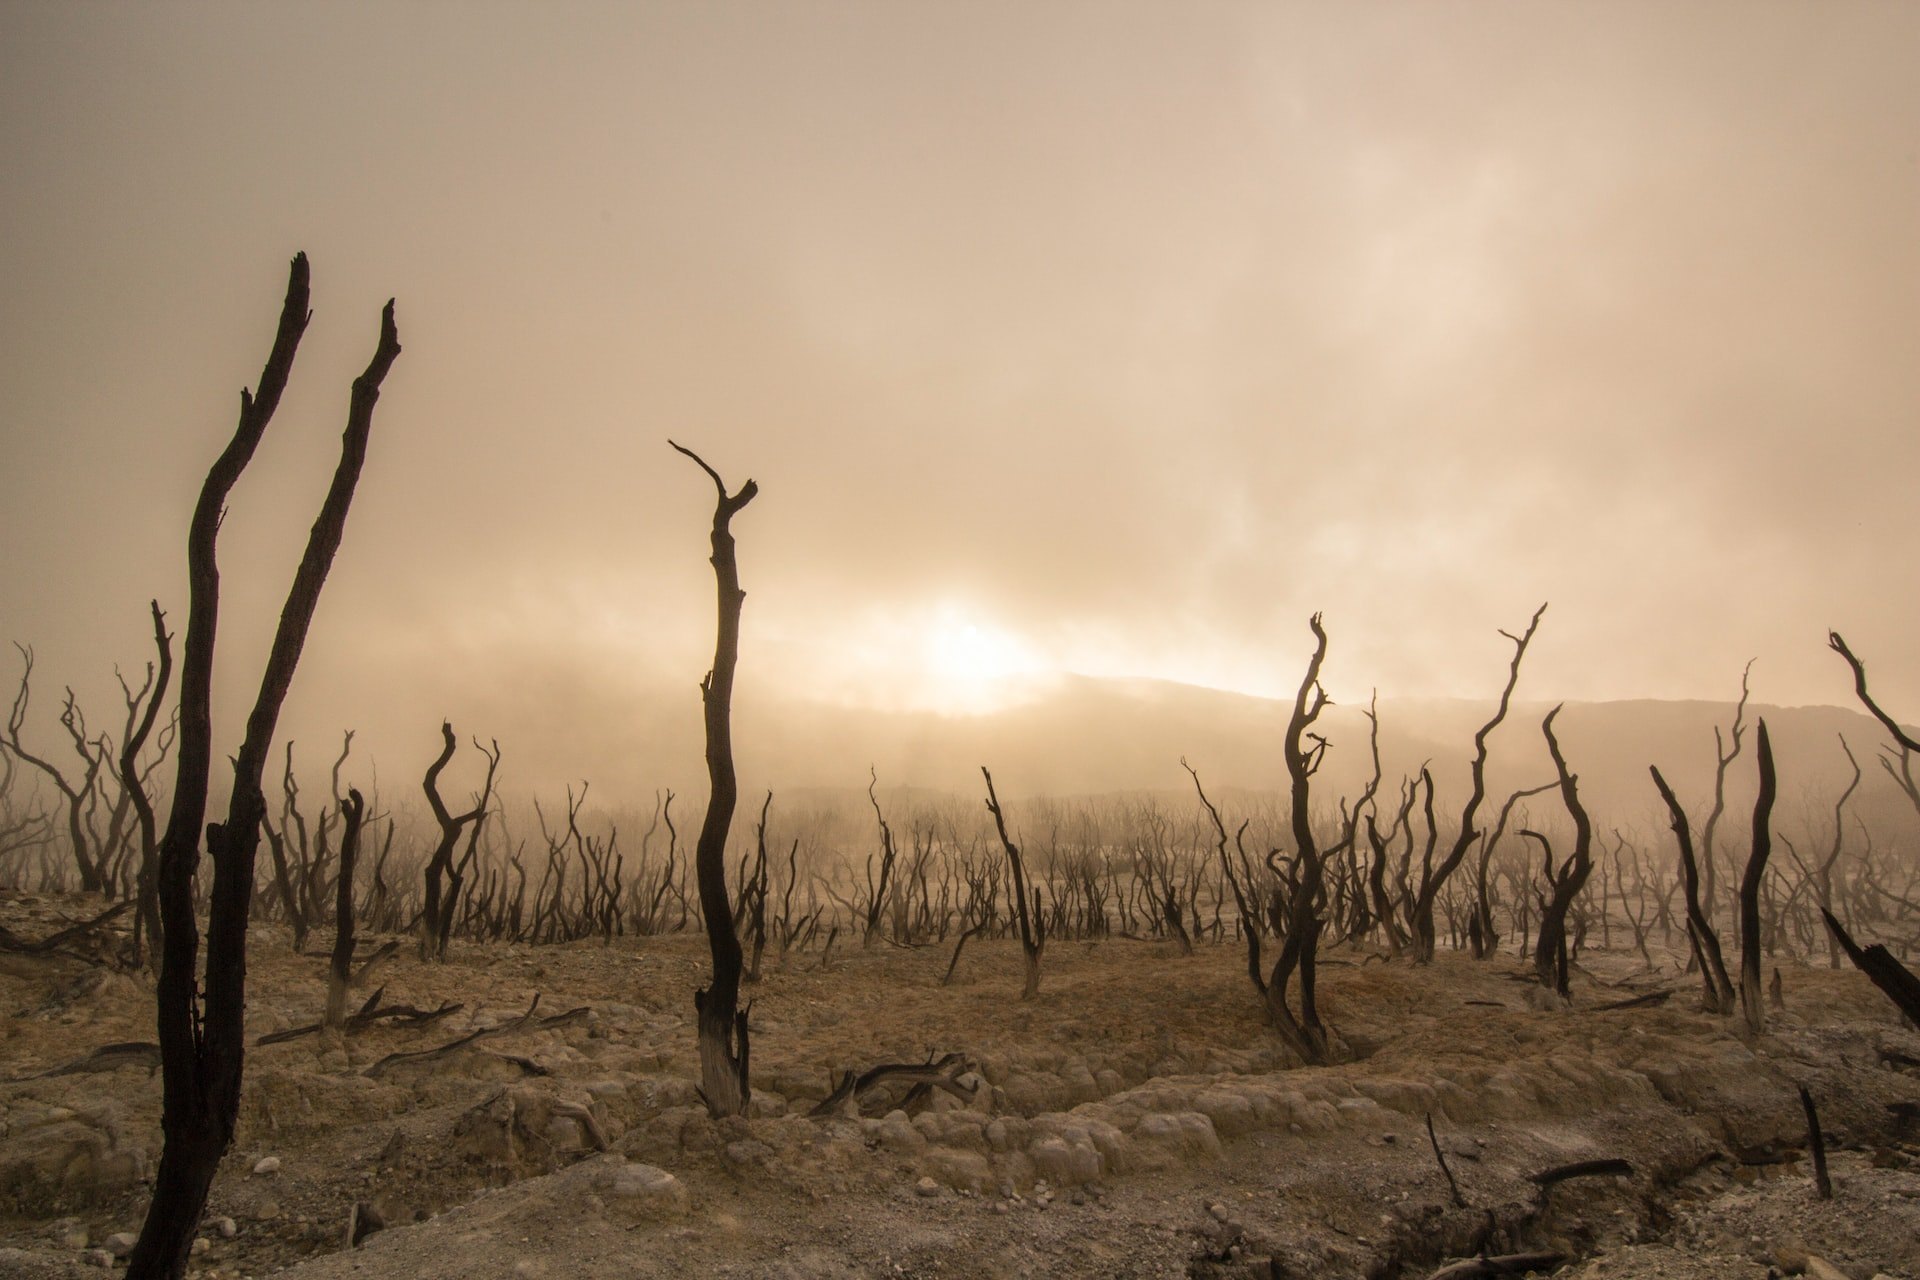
(1108, 338)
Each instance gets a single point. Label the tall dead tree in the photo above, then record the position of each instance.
(1303, 751)
(202, 1037)
(353, 813)
(78, 795)
(147, 921)
(723, 1025)
(436, 918)
(1432, 882)
(1718, 994)
(1033, 925)
(1903, 774)
(1752, 1003)
(1723, 756)
(1565, 884)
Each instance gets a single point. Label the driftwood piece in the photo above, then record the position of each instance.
(942, 1073)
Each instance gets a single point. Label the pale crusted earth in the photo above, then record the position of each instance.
(1137, 1119)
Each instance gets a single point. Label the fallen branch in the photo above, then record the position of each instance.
(1582, 1169)
(1510, 1264)
(371, 1013)
(521, 1023)
(942, 1074)
(108, 1057)
(1647, 1001)
(10, 941)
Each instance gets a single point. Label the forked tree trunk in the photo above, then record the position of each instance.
(1431, 882)
(723, 1025)
(202, 1040)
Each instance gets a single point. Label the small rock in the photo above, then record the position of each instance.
(1218, 1210)
(265, 1166)
(266, 1210)
(227, 1228)
(97, 1258)
(73, 1238)
(121, 1243)
(926, 1187)
(200, 1245)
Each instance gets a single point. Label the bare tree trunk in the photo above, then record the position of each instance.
(1033, 925)
(723, 1026)
(1302, 750)
(147, 923)
(202, 1041)
(1751, 1000)
(1718, 996)
(340, 965)
(1431, 883)
(1550, 952)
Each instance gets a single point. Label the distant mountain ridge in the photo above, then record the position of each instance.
(1089, 735)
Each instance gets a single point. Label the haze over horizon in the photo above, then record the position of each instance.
(1107, 339)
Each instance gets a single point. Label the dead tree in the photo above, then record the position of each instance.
(1033, 925)
(78, 794)
(436, 918)
(202, 1038)
(353, 812)
(1549, 957)
(1482, 936)
(1718, 994)
(1431, 883)
(1903, 774)
(723, 1025)
(1894, 979)
(1723, 756)
(877, 893)
(147, 918)
(1299, 909)
(1751, 1002)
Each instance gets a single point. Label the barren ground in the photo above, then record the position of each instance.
(1137, 1119)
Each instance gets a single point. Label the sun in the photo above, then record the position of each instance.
(972, 665)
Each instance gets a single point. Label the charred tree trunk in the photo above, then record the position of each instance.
(1751, 999)
(1718, 993)
(723, 1025)
(1549, 957)
(436, 918)
(1431, 883)
(1033, 925)
(353, 812)
(1303, 750)
(202, 1040)
(147, 921)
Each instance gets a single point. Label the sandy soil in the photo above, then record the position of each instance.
(1137, 1119)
